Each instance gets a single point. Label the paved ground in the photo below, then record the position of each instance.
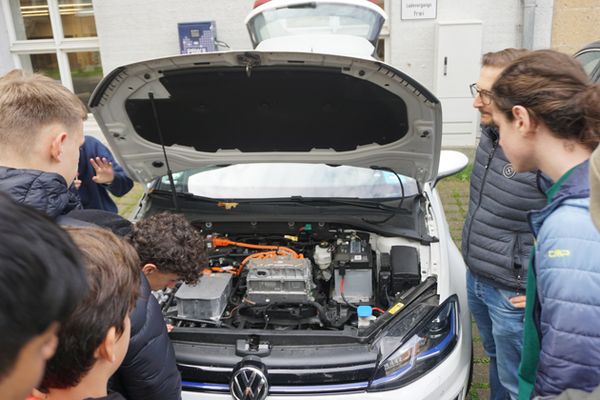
(454, 192)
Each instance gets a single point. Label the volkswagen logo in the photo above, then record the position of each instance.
(249, 383)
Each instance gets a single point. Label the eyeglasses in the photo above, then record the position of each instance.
(484, 95)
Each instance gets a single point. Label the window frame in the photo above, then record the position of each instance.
(594, 74)
(58, 45)
(385, 35)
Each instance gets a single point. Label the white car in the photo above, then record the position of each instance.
(313, 176)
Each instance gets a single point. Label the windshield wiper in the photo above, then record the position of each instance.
(326, 202)
(308, 201)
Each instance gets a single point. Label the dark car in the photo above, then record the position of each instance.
(589, 57)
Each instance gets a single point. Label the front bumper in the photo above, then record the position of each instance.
(448, 381)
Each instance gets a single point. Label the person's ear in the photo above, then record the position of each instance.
(56, 146)
(50, 340)
(107, 350)
(524, 121)
(149, 269)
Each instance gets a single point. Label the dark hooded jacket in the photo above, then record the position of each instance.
(45, 191)
(149, 370)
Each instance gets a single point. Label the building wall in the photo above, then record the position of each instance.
(6, 61)
(139, 29)
(135, 30)
(575, 24)
(412, 41)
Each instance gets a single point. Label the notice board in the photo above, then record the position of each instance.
(419, 9)
(197, 37)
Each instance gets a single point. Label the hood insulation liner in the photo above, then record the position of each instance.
(283, 109)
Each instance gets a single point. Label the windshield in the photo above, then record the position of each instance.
(316, 19)
(273, 180)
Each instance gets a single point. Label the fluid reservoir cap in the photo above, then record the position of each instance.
(364, 311)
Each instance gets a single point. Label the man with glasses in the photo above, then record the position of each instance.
(496, 239)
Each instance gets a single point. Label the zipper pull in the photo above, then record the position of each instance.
(491, 155)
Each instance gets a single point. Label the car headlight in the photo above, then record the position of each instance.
(422, 348)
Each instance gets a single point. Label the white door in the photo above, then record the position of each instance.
(457, 63)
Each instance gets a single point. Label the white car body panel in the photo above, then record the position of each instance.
(417, 154)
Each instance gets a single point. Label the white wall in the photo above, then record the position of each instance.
(544, 13)
(135, 30)
(412, 41)
(6, 60)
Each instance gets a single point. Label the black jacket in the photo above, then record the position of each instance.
(45, 191)
(496, 238)
(149, 371)
(111, 396)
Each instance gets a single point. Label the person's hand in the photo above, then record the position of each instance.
(104, 170)
(518, 301)
(77, 182)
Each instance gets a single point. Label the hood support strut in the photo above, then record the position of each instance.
(162, 145)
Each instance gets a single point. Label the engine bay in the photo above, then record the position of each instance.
(319, 279)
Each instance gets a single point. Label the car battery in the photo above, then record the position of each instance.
(358, 286)
(353, 261)
(205, 300)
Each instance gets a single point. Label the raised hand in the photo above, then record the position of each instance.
(104, 170)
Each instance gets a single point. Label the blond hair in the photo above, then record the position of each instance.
(29, 102)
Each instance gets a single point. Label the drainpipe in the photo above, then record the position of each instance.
(529, 7)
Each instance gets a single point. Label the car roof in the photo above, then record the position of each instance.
(592, 46)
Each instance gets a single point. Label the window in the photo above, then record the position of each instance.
(56, 38)
(273, 180)
(589, 59)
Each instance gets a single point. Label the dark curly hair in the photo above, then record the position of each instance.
(171, 243)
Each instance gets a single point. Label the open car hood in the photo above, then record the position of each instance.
(246, 107)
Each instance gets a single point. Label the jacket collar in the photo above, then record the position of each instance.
(490, 131)
(45, 191)
(576, 186)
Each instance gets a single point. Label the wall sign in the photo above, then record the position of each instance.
(197, 37)
(419, 9)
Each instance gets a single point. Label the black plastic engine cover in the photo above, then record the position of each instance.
(406, 268)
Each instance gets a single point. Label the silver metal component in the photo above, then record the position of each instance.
(281, 279)
(205, 300)
(249, 383)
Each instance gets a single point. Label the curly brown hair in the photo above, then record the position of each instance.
(171, 243)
